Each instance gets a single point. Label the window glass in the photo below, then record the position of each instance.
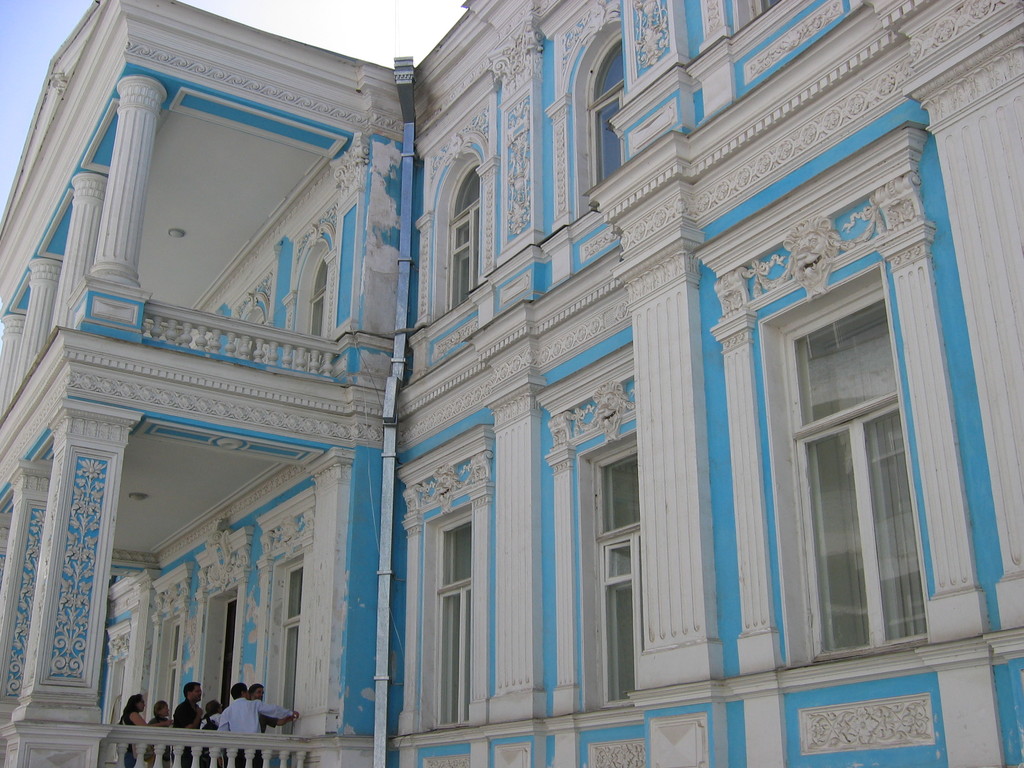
(316, 311)
(455, 613)
(605, 105)
(464, 237)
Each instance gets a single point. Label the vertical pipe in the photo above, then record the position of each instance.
(381, 678)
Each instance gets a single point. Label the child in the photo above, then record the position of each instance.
(161, 717)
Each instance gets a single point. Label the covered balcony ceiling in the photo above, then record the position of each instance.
(215, 184)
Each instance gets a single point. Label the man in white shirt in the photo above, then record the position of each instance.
(243, 716)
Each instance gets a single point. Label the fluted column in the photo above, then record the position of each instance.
(10, 356)
(679, 618)
(481, 505)
(517, 554)
(561, 460)
(117, 253)
(759, 640)
(410, 719)
(975, 99)
(83, 233)
(17, 592)
(63, 658)
(43, 277)
(319, 688)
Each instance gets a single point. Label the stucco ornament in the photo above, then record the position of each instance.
(228, 566)
(813, 246)
(650, 24)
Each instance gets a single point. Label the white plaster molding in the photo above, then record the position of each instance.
(793, 39)
(618, 754)
(680, 741)
(900, 721)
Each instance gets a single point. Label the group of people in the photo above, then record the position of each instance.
(247, 713)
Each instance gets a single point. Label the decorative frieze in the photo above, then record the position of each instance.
(622, 754)
(610, 406)
(902, 721)
(452, 340)
(953, 24)
(449, 761)
(449, 482)
(793, 39)
(652, 275)
(288, 536)
(349, 171)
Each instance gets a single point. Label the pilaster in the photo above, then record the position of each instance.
(31, 484)
(968, 59)
(481, 505)
(83, 234)
(320, 684)
(956, 607)
(43, 277)
(411, 718)
(759, 640)
(117, 253)
(561, 460)
(518, 693)
(63, 656)
(10, 354)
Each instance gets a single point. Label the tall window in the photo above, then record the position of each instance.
(465, 239)
(454, 614)
(619, 545)
(318, 301)
(850, 439)
(606, 101)
(290, 627)
(172, 664)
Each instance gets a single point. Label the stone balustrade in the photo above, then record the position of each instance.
(224, 337)
(289, 751)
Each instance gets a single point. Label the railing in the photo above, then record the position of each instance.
(262, 346)
(236, 750)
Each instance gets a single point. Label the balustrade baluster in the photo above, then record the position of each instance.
(184, 339)
(147, 328)
(199, 342)
(231, 348)
(259, 353)
(300, 759)
(287, 357)
(245, 348)
(176, 750)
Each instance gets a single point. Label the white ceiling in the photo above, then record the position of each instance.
(217, 184)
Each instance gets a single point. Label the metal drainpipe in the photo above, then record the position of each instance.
(404, 82)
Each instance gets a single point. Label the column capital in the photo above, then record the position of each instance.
(89, 185)
(44, 269)
(644, 278)
(520, 402)
(141, 92)
(32, 476)
(335, 465)
(98, 422)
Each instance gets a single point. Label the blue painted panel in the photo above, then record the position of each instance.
(736, 732)
(1007, 681)
(285, 258)
(346, 265)
(226, 112)
(105, 148)
(595, 352)
(694, 26)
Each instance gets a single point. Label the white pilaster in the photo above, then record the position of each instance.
(31, 484)
(558, 112)
(83, 233)
(42, 282)
(956, 608)
(566, 694)
(517, 554)
(759, 640)
(63, 658)
(10, 355)
(410, 719)
(117, 253)
(971, 81)
(679, 642)
(481, 504)
(318, 689)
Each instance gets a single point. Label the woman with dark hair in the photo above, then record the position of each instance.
(132, 715)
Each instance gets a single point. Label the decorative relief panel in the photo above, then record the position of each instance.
(902, 721)
(349, 170)
(611, 405)
(680, 741)
(225, 562)
(953, 24)
(289, 536)
(516, 63)
(448, 761)
(449, 482)
(23, 608)
(518, 162)
(453, 339)
(475, 130)
(650, 33)
(622, 754)
(579, 35)
(78, 570)
(793, 39)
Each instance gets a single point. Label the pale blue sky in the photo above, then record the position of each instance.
(31, 31)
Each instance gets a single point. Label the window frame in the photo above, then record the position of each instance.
(599, 101)
(462, 589)
(789, 438)
(468, 216)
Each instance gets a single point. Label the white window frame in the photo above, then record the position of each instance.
(789, 438)
(468, 217)
(289, 677)
(172, 637)
(462, 590)
(599, 101)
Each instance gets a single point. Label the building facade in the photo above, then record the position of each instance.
(708, 443)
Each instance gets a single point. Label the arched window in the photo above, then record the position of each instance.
(606, 101)
(464, 231)
(318, 300)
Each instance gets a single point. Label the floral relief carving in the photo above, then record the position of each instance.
(661, 217)
(229, 565)
(171, 601)
(476, 129)
(78, 570)
(453, 761)
(349, 170)
(648, 278)
(604, 239)
(604, 413)
(881, 724)
(582, 31)
(118, 646)
(453, 339)
(650, 32)
(516, 63)
(449, 482)
(971, 81)
(518, 163)
(793, 39)
(23, 608)
(952, 25)
(288, 536)
(624, 754)
(732, 291)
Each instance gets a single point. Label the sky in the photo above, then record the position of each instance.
(31, 31)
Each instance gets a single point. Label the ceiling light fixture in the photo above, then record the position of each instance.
(176, 232)
(138, 496)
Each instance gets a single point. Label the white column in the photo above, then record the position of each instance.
(62, 667)
(561, 459)
(10, 354)
(318, 689)
(411, 718)
(517, 681)
(759, 640)
(43, 277)
(31, 484)
(957, 606)
(481, 503)
(83, 232)
(977, 112)
(680, 630)
(117, 253)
